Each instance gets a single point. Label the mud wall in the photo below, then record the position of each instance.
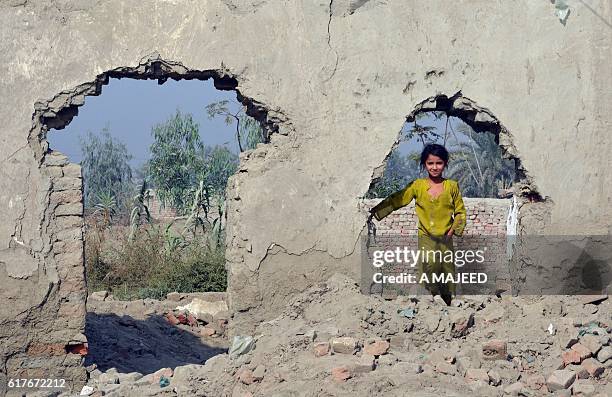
(334, 81)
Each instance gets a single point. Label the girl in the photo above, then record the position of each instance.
(441, 213)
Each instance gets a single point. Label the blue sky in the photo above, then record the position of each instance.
(130, 108)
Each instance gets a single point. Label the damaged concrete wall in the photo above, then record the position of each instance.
(336, 81)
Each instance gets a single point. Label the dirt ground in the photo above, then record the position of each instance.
(333, 341)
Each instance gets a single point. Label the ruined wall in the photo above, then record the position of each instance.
(335, 81)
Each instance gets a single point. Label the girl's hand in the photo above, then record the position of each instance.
(450, 233)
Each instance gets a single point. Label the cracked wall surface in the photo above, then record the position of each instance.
(335, 81)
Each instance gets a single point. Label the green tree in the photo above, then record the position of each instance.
(478, 165)
(399, 171)
(176, 160)
(106, 169)
(248, 130)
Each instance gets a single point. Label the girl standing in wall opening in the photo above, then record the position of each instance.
(441, 213)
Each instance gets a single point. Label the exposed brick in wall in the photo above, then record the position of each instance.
(486, 227)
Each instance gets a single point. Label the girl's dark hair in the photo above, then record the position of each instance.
(436, 150)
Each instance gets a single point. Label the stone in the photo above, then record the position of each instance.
(583, 388)
(207, 330)
(344, 345)
(495, 349)
(604, 354)
(494, 378)
(592, 343)
(108, 378)
(476, 374)
(583, 351)
(581, 372)
(205, 310)
(259, 373)
(460, 323)
(445, 368)
(129, 377)
(98, 295)
(171, 318)
(560, 379)
(593, 367)
(321, 349)
(562, 393)
(366, 363)
(157, 375)
(571, 357)
(340, 374)
(376, 348)
(514, 389)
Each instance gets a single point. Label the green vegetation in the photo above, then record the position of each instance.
(130, 254)
(476, 160)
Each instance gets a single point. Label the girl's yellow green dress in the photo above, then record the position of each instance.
(437, 216)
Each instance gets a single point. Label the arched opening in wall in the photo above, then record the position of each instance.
(137, 200)
(482, 160)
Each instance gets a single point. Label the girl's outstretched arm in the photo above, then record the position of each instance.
(394, 201)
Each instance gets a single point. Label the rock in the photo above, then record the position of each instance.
(207, 330)
(98, 295)
(321, 349)
(344, 345)
(571, 357)
(463, 363)
(86, 391)
(604, 354)
(157, 375)
(387, 360)
(366, 363)
(534, 382)
(377, 348)
(583, 388)
(494, 377)
(582, 350)
(581, 372)
(259, 372)
(241, 345)
(476, 374)
(108, 378)
(562, 393)
(571, 342)
(460, 323)
(129, 377)
(514, 389)
(495, 349)
(171, 318)
(560, 379)
(593, 367)
(592, 343)
(205, 310)
(445, 368)
(340, 374)
(432, 321)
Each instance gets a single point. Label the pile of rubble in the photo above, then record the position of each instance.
(331, 340)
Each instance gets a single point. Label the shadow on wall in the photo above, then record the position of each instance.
(144, 346)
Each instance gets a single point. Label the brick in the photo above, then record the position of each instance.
(344, 345)
(583, 388)
(535, 382)
(340, 374)
(593, 367)
(592, 343)
(495, 349)
(571, 357)
(582, 350)
(46, 349)
(321, 349)
(376, 348)
(560, 379)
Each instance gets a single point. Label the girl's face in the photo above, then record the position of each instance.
(434, 166)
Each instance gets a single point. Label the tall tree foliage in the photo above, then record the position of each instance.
(106, 169)
(176, 160)
(400, 170)
(248, 130)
